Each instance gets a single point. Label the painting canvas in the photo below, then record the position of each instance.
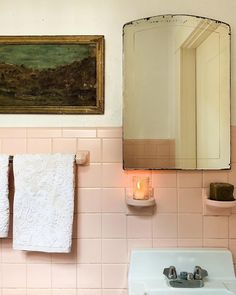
(52, 74)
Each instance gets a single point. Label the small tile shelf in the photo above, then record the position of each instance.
(220, 204)
(140, 203)
(216, 208)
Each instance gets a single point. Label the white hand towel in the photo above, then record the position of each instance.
(43, 202)
(4, 191)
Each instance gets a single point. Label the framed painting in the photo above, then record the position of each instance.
(52, 74)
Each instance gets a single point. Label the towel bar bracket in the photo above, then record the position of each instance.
(81, 158)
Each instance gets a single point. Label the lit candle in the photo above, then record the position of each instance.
(140, 188)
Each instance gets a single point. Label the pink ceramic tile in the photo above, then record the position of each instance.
(113, 175)
(6, 132)
(11, 256)
(38, 257)
(190, 200)
(89, 292)
(113, 226)
(39, 291)
(113, 200)
(137, 244)
(78, 132)
(232, 226)
(215, 227)
(166, 199)
(114, 292)
(89, 276)
(233, 149)
(109, 132)
(216, 243)
(89, 226)
(12, 132)
(189, 179)
(94, 146)
(139, 227)
(165, 226)
(190, 243)
(64, 145)
(165, 243)
(13, 275)
(39, 145)
(232, 175)
(112, 150)
(190, 226)
(63, 292)
(114, 251)
(164, 179)
(39, 276)
(44, 132)
(14, 146)
(232, 248)
(90, 176)
(89, 251)
(66, 257)
(64, 276)
(89, 200)
(14, 292)
(233, 210)
(214, 176)
(114, 276)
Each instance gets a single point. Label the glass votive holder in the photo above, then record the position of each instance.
(141, 190)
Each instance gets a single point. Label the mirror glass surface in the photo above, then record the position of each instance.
(176, 93)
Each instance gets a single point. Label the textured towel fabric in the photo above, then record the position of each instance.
(4, 191)
(43, 202)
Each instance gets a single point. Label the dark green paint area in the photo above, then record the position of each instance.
(48, 75)
(44, 56)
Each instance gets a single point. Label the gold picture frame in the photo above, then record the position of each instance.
(52, 74)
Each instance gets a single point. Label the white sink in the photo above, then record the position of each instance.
(146, 271)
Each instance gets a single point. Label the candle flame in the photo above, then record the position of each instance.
(138, 185)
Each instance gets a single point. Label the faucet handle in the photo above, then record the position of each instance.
(170, 272)
(199, 273)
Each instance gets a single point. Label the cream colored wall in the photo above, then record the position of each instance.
(55, 17)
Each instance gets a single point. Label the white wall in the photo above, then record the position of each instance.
(106, 17)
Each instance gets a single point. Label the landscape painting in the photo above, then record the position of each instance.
(52, 75)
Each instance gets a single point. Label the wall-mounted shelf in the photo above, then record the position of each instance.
(140, 203)
(220, 204)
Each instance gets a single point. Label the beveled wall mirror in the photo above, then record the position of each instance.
(176, 93)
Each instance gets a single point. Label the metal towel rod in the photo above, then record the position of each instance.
(81, 158)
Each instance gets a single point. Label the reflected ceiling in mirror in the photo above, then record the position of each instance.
(176, 93)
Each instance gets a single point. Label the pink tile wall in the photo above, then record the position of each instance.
(104, 234)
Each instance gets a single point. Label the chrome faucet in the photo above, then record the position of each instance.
(170, 272)
(199, 273)
(185, 279)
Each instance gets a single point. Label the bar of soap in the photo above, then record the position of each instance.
(220, 191)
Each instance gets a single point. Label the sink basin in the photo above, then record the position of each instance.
(189, 292)
(146, 271)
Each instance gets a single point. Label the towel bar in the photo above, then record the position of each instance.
(81, 158)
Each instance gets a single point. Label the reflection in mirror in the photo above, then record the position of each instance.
(176, 93)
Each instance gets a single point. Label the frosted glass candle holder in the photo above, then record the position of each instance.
(141, 188)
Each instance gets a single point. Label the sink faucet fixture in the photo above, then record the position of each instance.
(185, 279)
